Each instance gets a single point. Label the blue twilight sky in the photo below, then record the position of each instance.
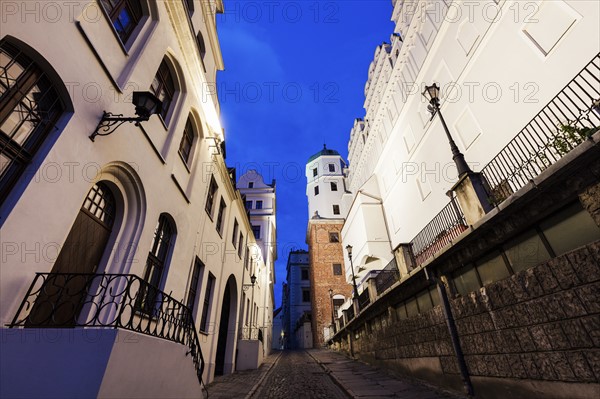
(294, 79)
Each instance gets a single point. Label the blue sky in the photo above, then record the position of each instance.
(294, 79)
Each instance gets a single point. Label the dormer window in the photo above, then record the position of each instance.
(251, 184)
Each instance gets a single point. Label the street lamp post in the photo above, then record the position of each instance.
(431, 93)
(252, 280)
(349, 249)
(332, 312)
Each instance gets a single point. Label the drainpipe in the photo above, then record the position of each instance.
(460, 358)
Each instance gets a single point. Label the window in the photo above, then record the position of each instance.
(305, 295)
(315, 172)
(235, 233)
(251, 184)
(304, 274)
(259, 204)
(332, 167)
(219, 224)
(185, 147)
(337, 302)
(336, 209)
(163, 87)
(333, 186)
(206, 305)
(240, 245)
(247, 258)
(334, 237)
(210, 197)
(124, 15)
(164, 238)
(256, 231)
(337, 269)
(316, 190)
(190, 6)
(202, 48)
(29, 109)
(248, 205)
(194, 283)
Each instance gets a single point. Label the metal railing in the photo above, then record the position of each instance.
(252, 333)
(66, 300)
(350, 313)
(564, 123)
(387, 277)
(448, 224)
(363, 299)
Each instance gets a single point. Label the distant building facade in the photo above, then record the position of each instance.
(261, 206)
(297, 301)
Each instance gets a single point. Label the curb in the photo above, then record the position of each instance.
(261, 379)
(337, 382)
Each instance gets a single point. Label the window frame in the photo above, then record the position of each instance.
(211, 196)
(336, 209)
(188, 136)
(208, 296)
(220, 216)
(316, 190)
(333, 185)
(113, 14)
(166, 78)
(32, 76)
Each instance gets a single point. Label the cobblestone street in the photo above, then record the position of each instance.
(297, 374)
(316, 374)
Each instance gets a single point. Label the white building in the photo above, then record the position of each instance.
(145, 224)
(260, 204)
(400, 161)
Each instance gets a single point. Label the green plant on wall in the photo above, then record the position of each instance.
(569, 137)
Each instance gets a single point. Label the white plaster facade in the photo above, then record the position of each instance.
(498, 63)
(260, 203)
(325, 184)
(145, 170)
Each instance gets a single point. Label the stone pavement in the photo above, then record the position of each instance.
(316, 373)
(240, 384)
(298, 375)
(363, 381)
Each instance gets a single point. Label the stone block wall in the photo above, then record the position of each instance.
(534, 334)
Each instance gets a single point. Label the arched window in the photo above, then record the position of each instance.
(29, 108)
(187, 141)
(163, 87)
(202, 48)
(164, 239)
(124, 15)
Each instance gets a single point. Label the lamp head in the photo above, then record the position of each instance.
(432, 93)
(253, 279)
(146, 104)
(349, 249)
(330, 293)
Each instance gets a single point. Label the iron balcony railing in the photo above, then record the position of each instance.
(387, 277)
(363, 299)
(448, 224)
(565, 122)
(65, 300)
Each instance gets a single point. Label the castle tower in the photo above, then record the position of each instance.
(325, 187)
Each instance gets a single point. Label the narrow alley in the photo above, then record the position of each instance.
(316, 374)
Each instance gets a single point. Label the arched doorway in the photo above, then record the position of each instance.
(63, 292)
(226, 338)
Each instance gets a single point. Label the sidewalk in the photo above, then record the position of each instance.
(241, 384)
(363, 381)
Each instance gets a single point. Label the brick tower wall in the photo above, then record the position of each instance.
(323, 255)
